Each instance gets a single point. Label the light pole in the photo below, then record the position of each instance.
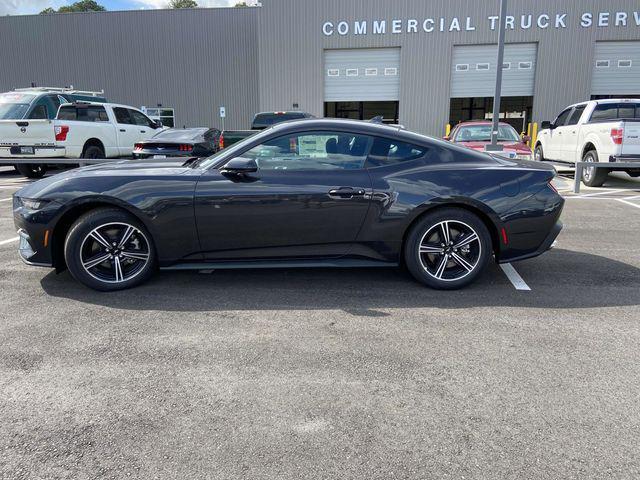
(493, 146)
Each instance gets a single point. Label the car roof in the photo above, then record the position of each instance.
(103, 104)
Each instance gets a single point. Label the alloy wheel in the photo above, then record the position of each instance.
(587, 172)
(114, 252)
(450, 250)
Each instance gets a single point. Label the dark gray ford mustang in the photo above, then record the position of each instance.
(319, 192)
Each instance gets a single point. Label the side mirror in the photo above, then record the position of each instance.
(446, 138)
(239, 166)
(526, 138)
(546, 125)
(157, 124)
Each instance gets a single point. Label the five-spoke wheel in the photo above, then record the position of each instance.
(448, 248)
(108, 249)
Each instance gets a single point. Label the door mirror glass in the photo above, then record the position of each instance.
(240, 166)
(546, 125)
(526, 138)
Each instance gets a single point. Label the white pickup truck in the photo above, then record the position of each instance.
(80, 130)
(595, 131)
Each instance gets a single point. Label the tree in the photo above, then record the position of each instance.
(79, 6)
(183, 4)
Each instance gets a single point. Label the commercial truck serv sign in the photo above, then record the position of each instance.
(468, 24)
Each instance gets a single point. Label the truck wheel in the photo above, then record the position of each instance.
(93, 151)
(538, 154)
(32, 170)
(591, 176)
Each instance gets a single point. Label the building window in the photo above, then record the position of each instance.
(462, 67)
(333, 72)
(352, 72)
(506, 66)
(524, 65)
(390, 71)
(482, 66)
(602, 63)
(167, 116)
(624, 63)
(371, 72)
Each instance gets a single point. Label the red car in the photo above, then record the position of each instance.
(477, 134)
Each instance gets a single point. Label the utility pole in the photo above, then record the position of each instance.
(493, 146)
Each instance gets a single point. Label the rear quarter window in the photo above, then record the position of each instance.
(385, 152)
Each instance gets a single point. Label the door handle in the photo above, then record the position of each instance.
(143, 131)
(346, 192)
(122, 130)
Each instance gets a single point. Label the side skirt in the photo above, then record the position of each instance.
(334, 263)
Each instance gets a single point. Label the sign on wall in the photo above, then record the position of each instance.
(468, 24)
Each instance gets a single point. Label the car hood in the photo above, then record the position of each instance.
(125, 169)
(517, 146)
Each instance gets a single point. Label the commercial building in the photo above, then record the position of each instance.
(421, 63)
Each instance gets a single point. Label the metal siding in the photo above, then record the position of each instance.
(615, 80)
(481, 83)
(361, 87)
(292, 46)
(194, 60)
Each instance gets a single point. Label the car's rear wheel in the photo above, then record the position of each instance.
(93, 151)
(538, 153)
(448, 248)
(109, 249)
(592, 176)
(34, 170)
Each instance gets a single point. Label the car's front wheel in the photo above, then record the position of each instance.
(35, 170)
(538, 153)
(448, 248)
(109, 249)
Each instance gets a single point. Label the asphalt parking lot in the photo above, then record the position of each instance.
(332, 373)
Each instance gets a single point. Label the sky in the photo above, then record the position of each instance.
(26, 7)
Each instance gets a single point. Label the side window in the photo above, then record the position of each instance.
(68, 113)
(122, 116)
(39, 112)
(390, 152)
(562, 118)
(55, 101)
(139, 118)
(312, 151)
(575, 116)
(94, 113)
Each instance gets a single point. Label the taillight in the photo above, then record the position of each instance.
(616, 135)
(185, 148)
(61, 132)
(221, 142)
(137, 146)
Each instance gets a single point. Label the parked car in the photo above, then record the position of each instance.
(80, 130)
(37, 103)
(185, 142)
(312, 193)
(476, 134)
(596, 131)
(260, 122)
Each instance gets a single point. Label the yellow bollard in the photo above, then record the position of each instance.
(534, 136)
(529, 132)
(447, 130)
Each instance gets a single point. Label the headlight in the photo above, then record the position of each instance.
(31, 203)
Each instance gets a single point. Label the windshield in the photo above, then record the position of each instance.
(14, 106)
(233, 149)
(482, 133)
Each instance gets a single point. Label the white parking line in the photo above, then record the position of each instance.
(514, 277)
(4, 242)
(628, 203)
(586, 195)
(5, 199)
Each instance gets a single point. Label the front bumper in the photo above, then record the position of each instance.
(35, 233)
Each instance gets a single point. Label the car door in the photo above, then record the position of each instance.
(570, 132)
(127, 130)
(553, 148)
(145, 126)
(307, 199)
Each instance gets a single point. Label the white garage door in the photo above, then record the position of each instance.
(616, 69)
(362, 75)
(473, 70)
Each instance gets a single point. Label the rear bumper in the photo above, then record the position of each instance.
(38, 152)
(547, 244)
(624, 158)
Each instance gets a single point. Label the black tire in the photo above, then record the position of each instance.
(594, 177)
(33, 170)
(93, 151)
(428, 232)
(538, 153)
(81, 249)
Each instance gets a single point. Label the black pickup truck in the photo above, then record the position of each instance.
(260, 122)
